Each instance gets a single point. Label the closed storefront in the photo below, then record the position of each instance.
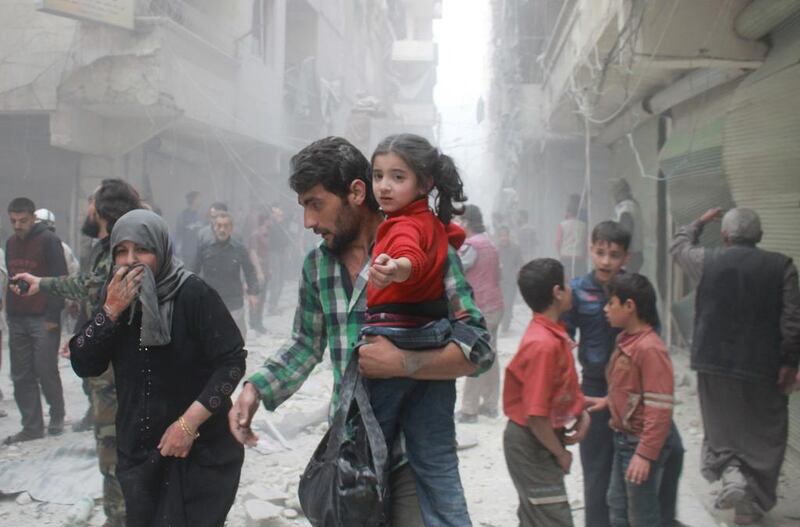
(761, 154)
(691, 163)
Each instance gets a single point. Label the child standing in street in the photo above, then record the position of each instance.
(609, 254)
(543, 401)
(640, 399)
(406, 303)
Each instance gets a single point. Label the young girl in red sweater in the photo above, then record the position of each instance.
(406, 303)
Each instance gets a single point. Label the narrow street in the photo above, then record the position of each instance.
(270, 472)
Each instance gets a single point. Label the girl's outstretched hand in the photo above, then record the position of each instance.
(383, 271)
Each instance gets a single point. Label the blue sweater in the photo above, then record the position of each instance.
(597, 338)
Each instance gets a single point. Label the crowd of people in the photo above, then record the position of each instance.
(408, 284)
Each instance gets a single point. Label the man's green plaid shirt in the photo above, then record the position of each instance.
(327, 317)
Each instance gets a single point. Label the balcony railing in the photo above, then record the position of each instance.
(217, 33)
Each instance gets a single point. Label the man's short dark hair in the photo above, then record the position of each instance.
(220, 206)
(115, 198)
(536, 280)
(611, 232)
(636, 287)
(21, 205)
(191, 196)
(334, 163)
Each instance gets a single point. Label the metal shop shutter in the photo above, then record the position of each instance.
(762, 156)
(692, 165)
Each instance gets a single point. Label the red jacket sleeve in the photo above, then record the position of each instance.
(407, 239)
(658, 397)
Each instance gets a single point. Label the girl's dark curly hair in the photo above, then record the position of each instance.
(430, 166)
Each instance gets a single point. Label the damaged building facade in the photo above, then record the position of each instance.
(691, 102)
(203, 95)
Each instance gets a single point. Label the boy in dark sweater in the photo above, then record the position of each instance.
(609, 254)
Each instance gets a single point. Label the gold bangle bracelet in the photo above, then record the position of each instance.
(185, 428)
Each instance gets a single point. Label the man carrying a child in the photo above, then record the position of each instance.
(333, 184)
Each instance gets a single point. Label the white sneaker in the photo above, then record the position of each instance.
(734, 488)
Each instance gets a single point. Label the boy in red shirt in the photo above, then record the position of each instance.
(640, 398)
(406, 303)
(543, 400)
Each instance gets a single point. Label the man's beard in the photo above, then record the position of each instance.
(90, 228)
(346, 230)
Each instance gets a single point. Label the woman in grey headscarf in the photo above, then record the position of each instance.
(177, 357)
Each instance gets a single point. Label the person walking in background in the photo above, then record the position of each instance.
(259, 254)
(628, 213)
(571, 240)
(279, 251)
(527, 238)
(34, 324)
(482, 268)
(222, 264)
(543, 401)
(205, 235)
(745, 350)
(48, 219)
(69, 314)
(510, 263)
(187, 228)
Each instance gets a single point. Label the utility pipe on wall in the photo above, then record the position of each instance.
(756, 20)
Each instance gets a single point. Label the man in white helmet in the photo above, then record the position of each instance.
(48, 219)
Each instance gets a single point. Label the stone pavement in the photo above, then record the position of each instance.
(267, 495)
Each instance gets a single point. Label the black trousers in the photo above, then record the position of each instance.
(34, 370)
(597, 456)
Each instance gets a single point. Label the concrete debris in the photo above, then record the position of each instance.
(80, 512)
(269, 494)
(262, 514)
(465, 439)
(292, 424)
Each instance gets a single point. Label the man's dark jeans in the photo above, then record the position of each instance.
(631, 504)
(597, 456)
(423, 411)
(673, 467)
(34, 364)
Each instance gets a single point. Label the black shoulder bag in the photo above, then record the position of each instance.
(344, 483)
